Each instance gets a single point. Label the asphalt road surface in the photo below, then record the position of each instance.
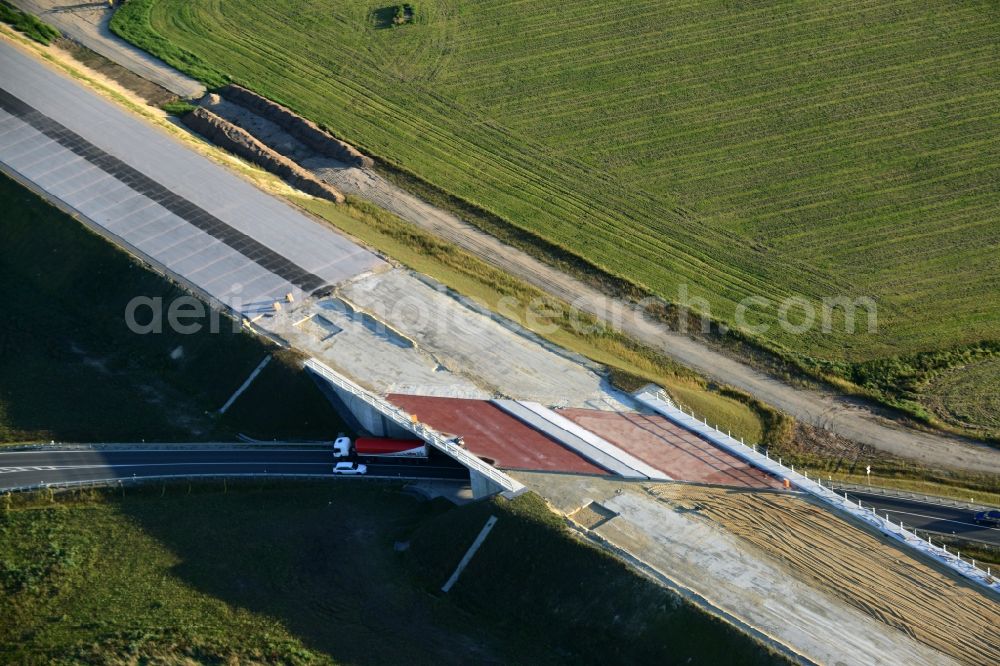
(931, 517)
(19, 469)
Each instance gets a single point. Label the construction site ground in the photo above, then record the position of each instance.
(397, 333)
(796, 574)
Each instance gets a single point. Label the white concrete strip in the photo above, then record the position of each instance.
(581, 448)
(597, 442)
(483, 533)
(245, 385)
(120, 210)
(832, 499)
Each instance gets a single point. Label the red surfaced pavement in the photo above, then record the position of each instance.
(491, 433)
(677, 452)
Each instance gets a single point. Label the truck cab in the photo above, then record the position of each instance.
(341, 447)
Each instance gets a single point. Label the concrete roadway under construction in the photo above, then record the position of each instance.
(164, 202)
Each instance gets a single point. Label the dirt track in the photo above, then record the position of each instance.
(87, 23)
(864, 570)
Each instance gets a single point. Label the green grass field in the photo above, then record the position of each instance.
(969, 395)
(817, 148)
(71, 370)
(282, 573)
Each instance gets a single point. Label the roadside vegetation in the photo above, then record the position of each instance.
(983, 496)
(72, 370)
(28, 24)
(890, 471)
(178, 107)
(308, 573)
(821, 149)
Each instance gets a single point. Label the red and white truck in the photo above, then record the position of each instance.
(378, 447)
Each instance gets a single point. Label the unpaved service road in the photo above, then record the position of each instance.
(822, 409)
(87, 22)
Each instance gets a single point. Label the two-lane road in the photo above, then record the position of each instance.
(19, 469)
(929, 516)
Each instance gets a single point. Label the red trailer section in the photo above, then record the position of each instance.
(399, 448)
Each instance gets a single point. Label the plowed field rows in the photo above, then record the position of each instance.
(841, 148)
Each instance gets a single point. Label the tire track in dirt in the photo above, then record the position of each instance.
(864, 570)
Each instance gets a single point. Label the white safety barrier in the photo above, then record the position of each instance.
(803, 482)
(421, 430)
(599, 443)
(909, 495)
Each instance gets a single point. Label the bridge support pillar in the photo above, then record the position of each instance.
(359, 414)
(483, 486)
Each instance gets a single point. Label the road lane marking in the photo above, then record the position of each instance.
(944, 520)
(12, 470)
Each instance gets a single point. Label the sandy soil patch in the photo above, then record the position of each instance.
(863, 569)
